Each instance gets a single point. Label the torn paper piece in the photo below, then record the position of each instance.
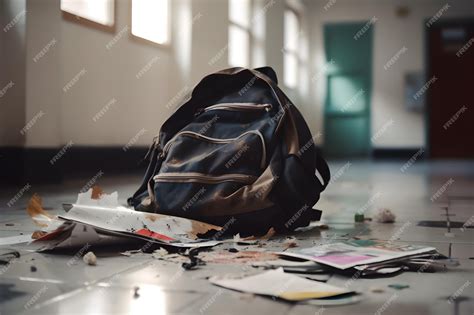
(105, 213)
(74, 235)
(80, 235)
(162, 228)
(94, 197)
(241, 257)
(279, 284)
(41, 217)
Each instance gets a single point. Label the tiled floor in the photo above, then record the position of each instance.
(65, 285)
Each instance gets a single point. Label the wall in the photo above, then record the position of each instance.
(391, 34)
(134, 107)
(98, 88)
(12, 65)
(43, 76)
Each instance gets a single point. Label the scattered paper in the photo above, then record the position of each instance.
(97, 219)
(279, 284)
(307, 267)
(349, 254)
(240, 257)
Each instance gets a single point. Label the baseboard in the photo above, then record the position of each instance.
(396, 153)
(33, 165)
(52, 165)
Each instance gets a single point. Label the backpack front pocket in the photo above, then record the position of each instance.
(198, 169)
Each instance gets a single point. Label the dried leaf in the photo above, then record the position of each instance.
(38, 234)
(97, 192)
(270, 233)
(36, 211)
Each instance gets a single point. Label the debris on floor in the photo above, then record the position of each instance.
(271, 232)
(136, 295)
(105, 221)
(277, 283)
(250, 240)
(194, 260)
(290, 242)
(296, 266)
(359, 217)
(90, 259)
(241, 257)
(385, 215)
(398, 286)
(368, 258)
(323, 227)
(376, 290)
(7, 256)
(286, 269)
(160, 252)
(42, 218)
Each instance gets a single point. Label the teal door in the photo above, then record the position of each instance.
(348, 89)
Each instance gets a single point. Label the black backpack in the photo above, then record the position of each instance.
(237, 153)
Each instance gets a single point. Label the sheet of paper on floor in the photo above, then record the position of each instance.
(279, 284)
(344, 255)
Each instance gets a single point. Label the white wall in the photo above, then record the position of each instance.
(390, 34)
(199, 33)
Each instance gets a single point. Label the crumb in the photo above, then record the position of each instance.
(376, 290)
(385, 215)
(90, 259)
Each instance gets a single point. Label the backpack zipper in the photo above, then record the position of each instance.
(236, 107)
(219, 141)
(203, 178)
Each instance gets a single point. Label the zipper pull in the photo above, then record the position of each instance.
(199, 112)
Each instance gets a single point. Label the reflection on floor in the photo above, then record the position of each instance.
(65, 285)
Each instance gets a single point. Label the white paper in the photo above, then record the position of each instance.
(346, 255)
(164, 229)
(280, 284)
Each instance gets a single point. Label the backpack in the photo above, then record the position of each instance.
(237, 153)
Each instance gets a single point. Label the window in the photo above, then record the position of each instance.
(239, 33)
(150, 20)
(99, 13)
(291, 48)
